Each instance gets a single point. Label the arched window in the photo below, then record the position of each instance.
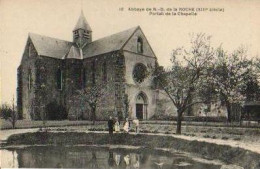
(76, 33)
(30, 79)
(30, 49)
(93, 69)
(139, 45)
(104, 71)
(59, 79)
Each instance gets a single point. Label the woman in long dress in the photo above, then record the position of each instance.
(117, 126)
(126, 125)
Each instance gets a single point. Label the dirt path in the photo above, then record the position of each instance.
(4, 134)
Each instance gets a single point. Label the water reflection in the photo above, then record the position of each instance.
(97, 158)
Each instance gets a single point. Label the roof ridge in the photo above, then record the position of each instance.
(138, 27)
(134, 28)
(109, 43)
(31, 33)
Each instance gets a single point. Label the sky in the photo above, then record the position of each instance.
(238, 24)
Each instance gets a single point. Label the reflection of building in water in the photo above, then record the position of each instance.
(8, 159)
(79, 157)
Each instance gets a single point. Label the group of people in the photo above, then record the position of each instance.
(114, 125)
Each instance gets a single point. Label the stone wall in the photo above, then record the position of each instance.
(26, 67)
(19, 91)
(106, 70)
(133, 88)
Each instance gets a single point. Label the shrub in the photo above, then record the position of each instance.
(168, 117)
(237, 139)
(54, 111)
(163, 117)
(206, 136)
(5, 111)
(224, 138)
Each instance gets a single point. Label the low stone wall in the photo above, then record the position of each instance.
(227, 154)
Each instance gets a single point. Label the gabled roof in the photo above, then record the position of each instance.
(60, 49)
(74, 53)
(47, 46)
(82, 23)
(108, 44)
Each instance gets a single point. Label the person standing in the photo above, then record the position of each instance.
(110, 124)
(126, 125)
(136, 122)
(117, 126)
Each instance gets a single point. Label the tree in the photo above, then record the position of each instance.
(6, 111)
(55, 111)
(14, 116)
(126, 107)
(9, 113)
(159, 75)
(92, 95)
(187, 75)
(231, 75)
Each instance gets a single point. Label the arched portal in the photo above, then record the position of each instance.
(141, 106)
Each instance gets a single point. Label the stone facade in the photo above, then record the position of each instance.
(53, 70)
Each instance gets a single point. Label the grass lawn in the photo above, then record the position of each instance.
(210, 130)
(36, 124)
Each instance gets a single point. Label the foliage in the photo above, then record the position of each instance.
(232, 75)
(140, 72)
(92, 95)
(160, 77)
(188, 74)
(126, 107)
(165, 117)
(6, 111)
(54, 111)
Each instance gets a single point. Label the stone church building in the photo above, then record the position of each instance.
(53, 70)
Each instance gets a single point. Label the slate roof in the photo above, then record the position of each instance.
(61, 49)
(74, 53)
(108, 44)
(52, 47)
(82, 23)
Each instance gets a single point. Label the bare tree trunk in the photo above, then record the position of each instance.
(13, 123)
(228, 111)
(179, 119)
(93, 114)
(13, 116)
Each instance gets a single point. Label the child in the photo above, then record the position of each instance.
(126, 125)
(136, 122)
(117, 126)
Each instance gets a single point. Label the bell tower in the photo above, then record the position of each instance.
(82, 33)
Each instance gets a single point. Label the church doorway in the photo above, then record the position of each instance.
(141, 106)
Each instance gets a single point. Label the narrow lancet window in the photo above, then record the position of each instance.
(139, 45)
(59, 79)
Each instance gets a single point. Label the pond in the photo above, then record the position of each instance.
(98, 158)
